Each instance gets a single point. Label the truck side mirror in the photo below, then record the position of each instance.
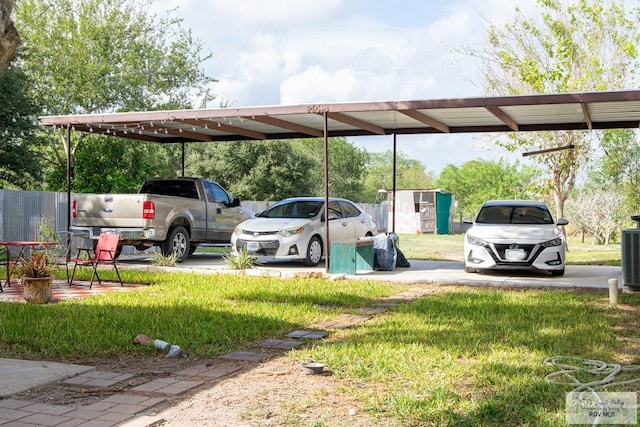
(234, 202)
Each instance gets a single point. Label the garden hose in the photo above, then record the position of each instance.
(570, 368)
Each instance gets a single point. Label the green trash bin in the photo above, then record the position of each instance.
(350, 256)
(630, 256)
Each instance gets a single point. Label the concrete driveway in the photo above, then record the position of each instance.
(437, 272)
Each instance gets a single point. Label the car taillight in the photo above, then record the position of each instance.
(148, 210)
(74, 210)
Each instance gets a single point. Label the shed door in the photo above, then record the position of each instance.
(427, 218)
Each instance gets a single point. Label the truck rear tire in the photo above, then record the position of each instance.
(177, 242)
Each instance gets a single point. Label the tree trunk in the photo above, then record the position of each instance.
(9, 38)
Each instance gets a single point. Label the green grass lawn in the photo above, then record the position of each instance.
(460, 356)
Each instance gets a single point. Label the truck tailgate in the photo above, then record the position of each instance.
(109, 210)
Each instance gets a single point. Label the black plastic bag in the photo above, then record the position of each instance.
(384, 252)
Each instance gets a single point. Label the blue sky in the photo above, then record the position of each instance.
(272, 52)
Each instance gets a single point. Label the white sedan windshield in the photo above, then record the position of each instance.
(295, 209)
(514, 215)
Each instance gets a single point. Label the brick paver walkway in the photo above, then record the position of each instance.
(138, 405)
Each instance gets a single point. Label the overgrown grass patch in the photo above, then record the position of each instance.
(206, 315)
(467, 356)
(459, 356)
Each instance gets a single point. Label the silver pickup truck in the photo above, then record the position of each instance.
(175, 214)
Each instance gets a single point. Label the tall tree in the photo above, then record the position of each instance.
(598, 212)
(19, 165)
(619, 166)
(477, 181)
(92, 56)
(273, 170)
(254, 170)
(347, 166)
(567, 47)
(136, 161)
(410, 174)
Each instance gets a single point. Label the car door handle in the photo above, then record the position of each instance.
(219, 210)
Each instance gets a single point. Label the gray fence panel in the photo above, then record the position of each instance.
(21, 212)
(379, 212)
(255, 207)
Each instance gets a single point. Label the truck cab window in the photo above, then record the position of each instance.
(215, 193)
(176, 188)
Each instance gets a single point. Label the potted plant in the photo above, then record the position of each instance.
(35, 275)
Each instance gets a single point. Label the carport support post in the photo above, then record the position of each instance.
(68, 147)
(183, 146)
(326, 190)
(393, 190)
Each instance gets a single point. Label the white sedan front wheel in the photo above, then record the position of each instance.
(314, 252)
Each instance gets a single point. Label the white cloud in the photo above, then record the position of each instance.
(305, 51)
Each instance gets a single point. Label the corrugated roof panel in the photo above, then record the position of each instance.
(535, 114)
(455, 117)
(480, 114)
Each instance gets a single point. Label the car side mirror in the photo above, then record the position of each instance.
(562, 221)
(467, 220)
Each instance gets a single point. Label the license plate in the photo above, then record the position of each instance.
(514, 254)
(253, 246)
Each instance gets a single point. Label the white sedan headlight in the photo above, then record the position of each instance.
(475, 241)
(287, 232)
(550, 243)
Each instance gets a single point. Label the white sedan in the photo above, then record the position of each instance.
(294, 229)
(515, 234)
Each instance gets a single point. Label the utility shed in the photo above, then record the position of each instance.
(423, 212)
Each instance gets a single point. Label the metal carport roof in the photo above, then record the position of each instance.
(593, 110)
(570, 111)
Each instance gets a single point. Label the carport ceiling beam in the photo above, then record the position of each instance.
(503, 117)
(131, 133)
(188, 135)
(361, 124)
(424, 119)
(226, 128)
(587, 116)
(283, 124)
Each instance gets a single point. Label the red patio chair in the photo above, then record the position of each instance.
(104, 254)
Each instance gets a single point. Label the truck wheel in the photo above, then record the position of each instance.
(177, 243)
(314, 252)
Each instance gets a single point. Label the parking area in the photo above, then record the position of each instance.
(437, 272)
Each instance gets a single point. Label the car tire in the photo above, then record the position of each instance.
(557, 273)
(314, 252)
(177, 242)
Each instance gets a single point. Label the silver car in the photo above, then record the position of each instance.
(294, 228)
(515, 234)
